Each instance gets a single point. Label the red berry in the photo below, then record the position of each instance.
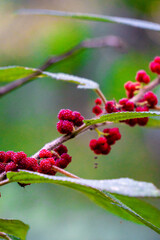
(44, 153)
(100, 146)
(98, 101)
(2, 167)
(93, 144)
(155, 65)
(142, 77)
(157, 59)
(65, 114)
(101, 141)
(77, 119)
(126, 104)
(142, 121)
(128, 85)
(113, 135)
(151, 98)
(64, 127)
(97, 110)
(9, 156)
(110, 107)
(63, 161)
(19, 156)
(31, 164)
(45, 166)
(11, 166)
(61, 149)
(131, 87)
(105, 149)
(52, 160)
(2, 156)
(131, 122)
(123, 101)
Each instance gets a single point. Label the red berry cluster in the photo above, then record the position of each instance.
(68, 120)
(14, 161)
(155, 65)
(149, 100)
(102, 145)
(97, 108)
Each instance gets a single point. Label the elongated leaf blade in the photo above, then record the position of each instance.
(82, 82)
(121, 116)
(14, 227)
(94, 17)
(12, 73)
(135, 210)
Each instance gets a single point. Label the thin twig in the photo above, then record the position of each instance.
(108, 41)
(145, 89)
(64, 172)
(4, 182)
(56, 142)
(5, 236)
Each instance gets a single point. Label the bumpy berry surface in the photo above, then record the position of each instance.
(64, 126)
(77, 119)
(11, 166)
(45, 153)
(2, 167)
(155, 65)
(142, 77)
(100, 146)
(19, 156)
(97, 110)
(9, 156)
(65, 114)
(151, 98)
(61, 149)
(2, 156)
(98, 101)
(110, 107)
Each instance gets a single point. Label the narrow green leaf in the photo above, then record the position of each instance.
(12, 73)
(121, 116)
(153, 123)
(14, 227)
(93, 17)
(82, 82)
(98, 191)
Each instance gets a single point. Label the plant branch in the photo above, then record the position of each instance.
(4, 182)
(107, 41)
(145, 89)
(5, 236)
(64, 172)
(56, 142)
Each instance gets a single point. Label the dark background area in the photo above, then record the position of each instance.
(28, 115)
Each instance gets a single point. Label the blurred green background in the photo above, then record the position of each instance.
(28, 115)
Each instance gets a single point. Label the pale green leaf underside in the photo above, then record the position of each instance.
(121, 116)
(94, 17)
(100, 191)
(12, 73)
(14, 227)
(82, 82)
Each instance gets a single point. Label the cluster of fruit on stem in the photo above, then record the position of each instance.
(149, 100)
(12, 161)
(47, 161)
